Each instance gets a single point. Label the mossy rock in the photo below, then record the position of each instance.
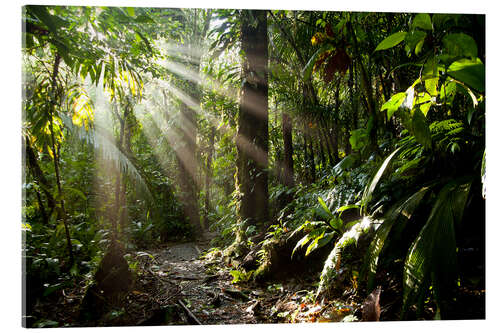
(278, 263)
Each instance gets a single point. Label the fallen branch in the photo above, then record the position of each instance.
(189, 313)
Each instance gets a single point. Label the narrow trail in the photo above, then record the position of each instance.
(201, 288)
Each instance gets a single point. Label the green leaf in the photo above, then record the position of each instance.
(413, 39)
(358, 138)
(470, 72)
(422, 21)
(50, 289)
(391, 41)
(346, 207)
(460, 45)
(448, 91)
(324, 206)
(303, 241)
(424, 102)
(421, 129)
(418, 47)
(430, 75)
(432, 256)
(440, 19)
(319, 242)
(336, 224)
(314, 244)
(74, 270)
(396, 212)
(393, 104)
(367, 195)
(53, 22)
(130, 11)
(346, 163)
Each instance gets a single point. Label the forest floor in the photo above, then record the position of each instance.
(189, 284)
(186, 277)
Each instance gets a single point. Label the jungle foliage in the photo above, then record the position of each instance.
(358, 134)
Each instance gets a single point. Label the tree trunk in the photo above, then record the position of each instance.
(208, 176)
(312, 164)
(252, 138)
(55, 152)
(320, 149)
(288, 174)
(368, 90)
(37, 174)
(127, 133)
(186, 155)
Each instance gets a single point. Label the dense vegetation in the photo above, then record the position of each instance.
(349, 147)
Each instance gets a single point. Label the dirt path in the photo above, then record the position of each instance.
(184, 284)
(202, 292)
(200, 289)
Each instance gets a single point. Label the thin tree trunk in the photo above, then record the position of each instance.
(288, 174)
(55, 152)
(366, 84)
(127, 132)
(321, 149)
(38, 175)
(304, 149)
(328, 142)
(208, 176)
(312, 164)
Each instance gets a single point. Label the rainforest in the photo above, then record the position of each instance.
(229, 166)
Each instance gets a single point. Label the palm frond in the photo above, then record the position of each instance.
(403, 209)
(367, 195)
(103, 141)
(432, 256)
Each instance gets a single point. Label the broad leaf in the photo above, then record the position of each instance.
(430, 75)
(391, 41)
(404, 209)
(470, 72)
(460, 45)
(346, 163)
(422, 21)
(393, 104)
(413, 39)
(303, 241)
(324, 206)
(448, 91)
(424, 102)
